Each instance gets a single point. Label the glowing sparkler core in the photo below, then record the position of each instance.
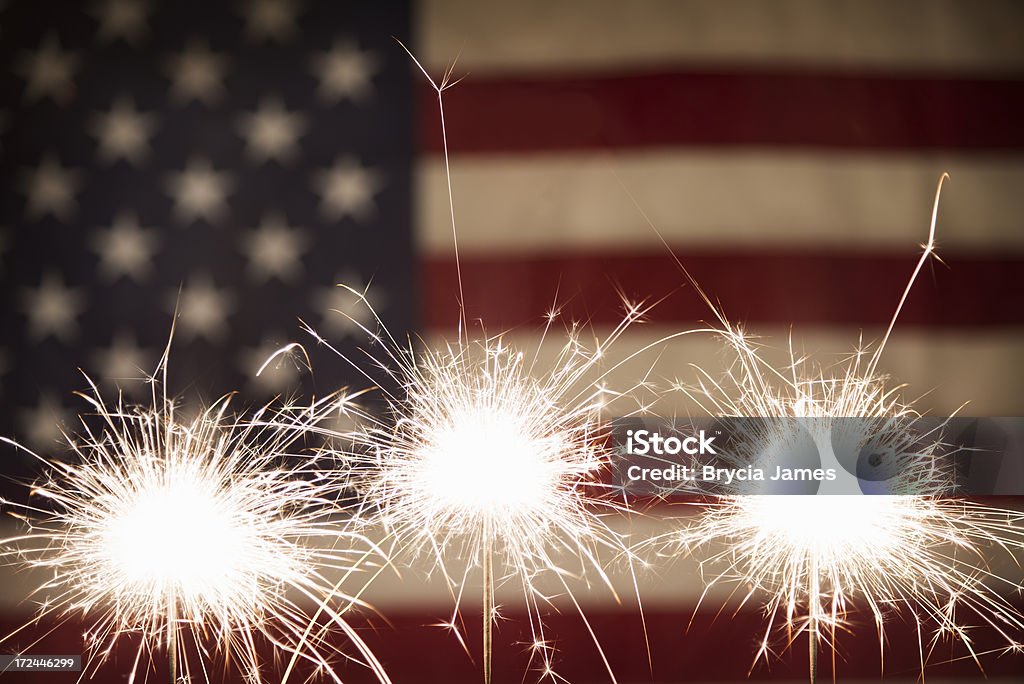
(848, 525)
(480, 448)
(181, 530)
(480, 445)
(176, 539)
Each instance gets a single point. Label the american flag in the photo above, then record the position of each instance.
(233, 161)
(236, 160)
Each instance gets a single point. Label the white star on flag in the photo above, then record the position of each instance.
(197, 74)
(123, 132)
(49, 72)
(203, 309)
(52, 309)
(274, 20)
(272, 132)
(275, 250)
(125, 20)
(126, 249)
(345, 72)
(50, 190)
(199, 192)
(42, 424)
(348, 189)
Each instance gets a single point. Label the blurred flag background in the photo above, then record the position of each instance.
(236, 160)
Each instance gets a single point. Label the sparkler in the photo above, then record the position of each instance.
(921, 555)
(485, 456)
(207, 533)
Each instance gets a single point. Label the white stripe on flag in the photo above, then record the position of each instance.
(609, 35)
(720, 198)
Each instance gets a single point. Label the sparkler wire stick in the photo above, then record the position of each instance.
(488, 602)
(172, 642)
(812, 646)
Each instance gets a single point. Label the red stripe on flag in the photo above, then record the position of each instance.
(762, 286)
(815, 109)
(705, 646)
